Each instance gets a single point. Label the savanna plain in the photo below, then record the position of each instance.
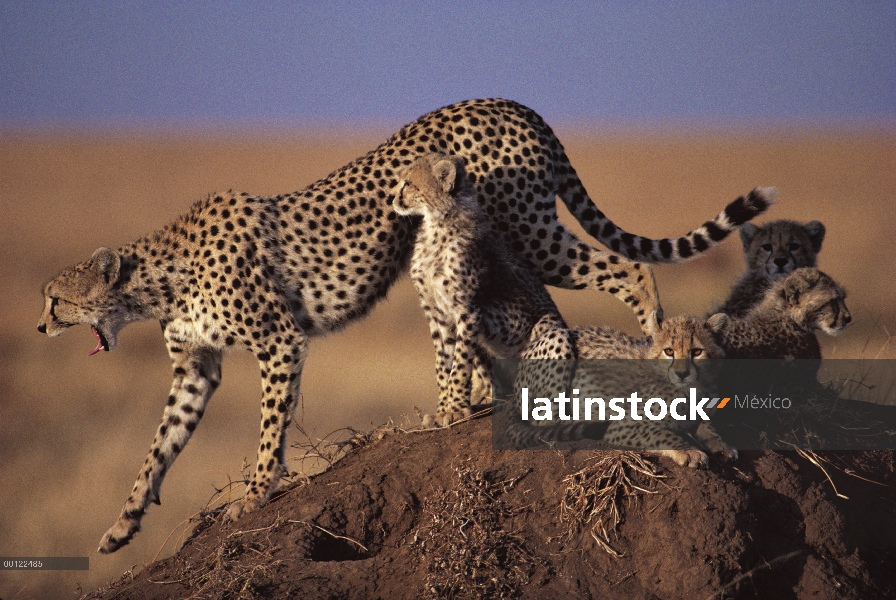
(74, 429)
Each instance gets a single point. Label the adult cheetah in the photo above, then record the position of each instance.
(266, 274)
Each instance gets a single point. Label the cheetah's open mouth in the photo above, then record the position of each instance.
(101, 342)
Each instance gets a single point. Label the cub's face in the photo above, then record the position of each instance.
(780, 247)
(682, 348)
(816, 301)
(428, 185)
(86, 293)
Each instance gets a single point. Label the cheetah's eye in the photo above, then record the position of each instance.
(669, 352)
(697, 352)
(835, 307)
(767, 247)
(794, 246)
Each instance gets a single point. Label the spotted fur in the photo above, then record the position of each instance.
(682, 355)
(783, 325)
(480, 299)
(266, 274)
(772, 251)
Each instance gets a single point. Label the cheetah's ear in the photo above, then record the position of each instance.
(799, 282)
(449, 172)
(397, 194)
(747, 232)
(654, 324)
(718, 322)
(445, 172)
(816, 232)
(107, 264)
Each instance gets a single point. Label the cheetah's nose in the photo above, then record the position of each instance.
(847, 318)
(42, 328)
(780, 262)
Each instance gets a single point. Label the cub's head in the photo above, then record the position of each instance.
(778, 248)
(432, 184)
(807, 296)
(684, 345)
(813, 300)
(87, 293)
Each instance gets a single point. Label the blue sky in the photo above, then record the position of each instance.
(282, 63)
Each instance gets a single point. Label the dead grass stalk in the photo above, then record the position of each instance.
(471, 553)
(599, 494)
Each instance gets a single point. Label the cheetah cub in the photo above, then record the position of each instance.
(682, 355)
(479, 298)
(783, 324)
(772, 251)
(782, 327)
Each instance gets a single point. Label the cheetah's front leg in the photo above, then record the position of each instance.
(281, 360)
(197, 372)
(654, 439)
(457, 386)
(482, 388)
(710, 438)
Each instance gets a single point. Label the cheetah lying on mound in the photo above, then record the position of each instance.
(783, 324)
(681, 356)
(772, 251)
(267, 274)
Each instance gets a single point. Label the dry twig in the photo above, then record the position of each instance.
(598, 493)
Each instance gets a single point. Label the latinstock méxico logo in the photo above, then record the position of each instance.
(752, 404)
(654, 409)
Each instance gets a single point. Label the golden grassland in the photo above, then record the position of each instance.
(74, 430)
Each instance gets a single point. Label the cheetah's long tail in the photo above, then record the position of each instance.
(668, 250)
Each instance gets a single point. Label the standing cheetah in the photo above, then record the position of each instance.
(479, 297)
(267, 274)
(772, 251)
(682, 355)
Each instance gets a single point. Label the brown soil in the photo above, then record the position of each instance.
(440, 514)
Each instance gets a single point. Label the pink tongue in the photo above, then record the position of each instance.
(99, 341)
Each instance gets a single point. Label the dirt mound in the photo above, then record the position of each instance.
(440, 514)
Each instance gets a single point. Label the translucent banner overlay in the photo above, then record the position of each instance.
(841, 404)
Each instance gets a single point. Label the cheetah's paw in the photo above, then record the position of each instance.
(723, 450)
(242, 507)
(445, 418)
(695, 459)
(118, 535)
